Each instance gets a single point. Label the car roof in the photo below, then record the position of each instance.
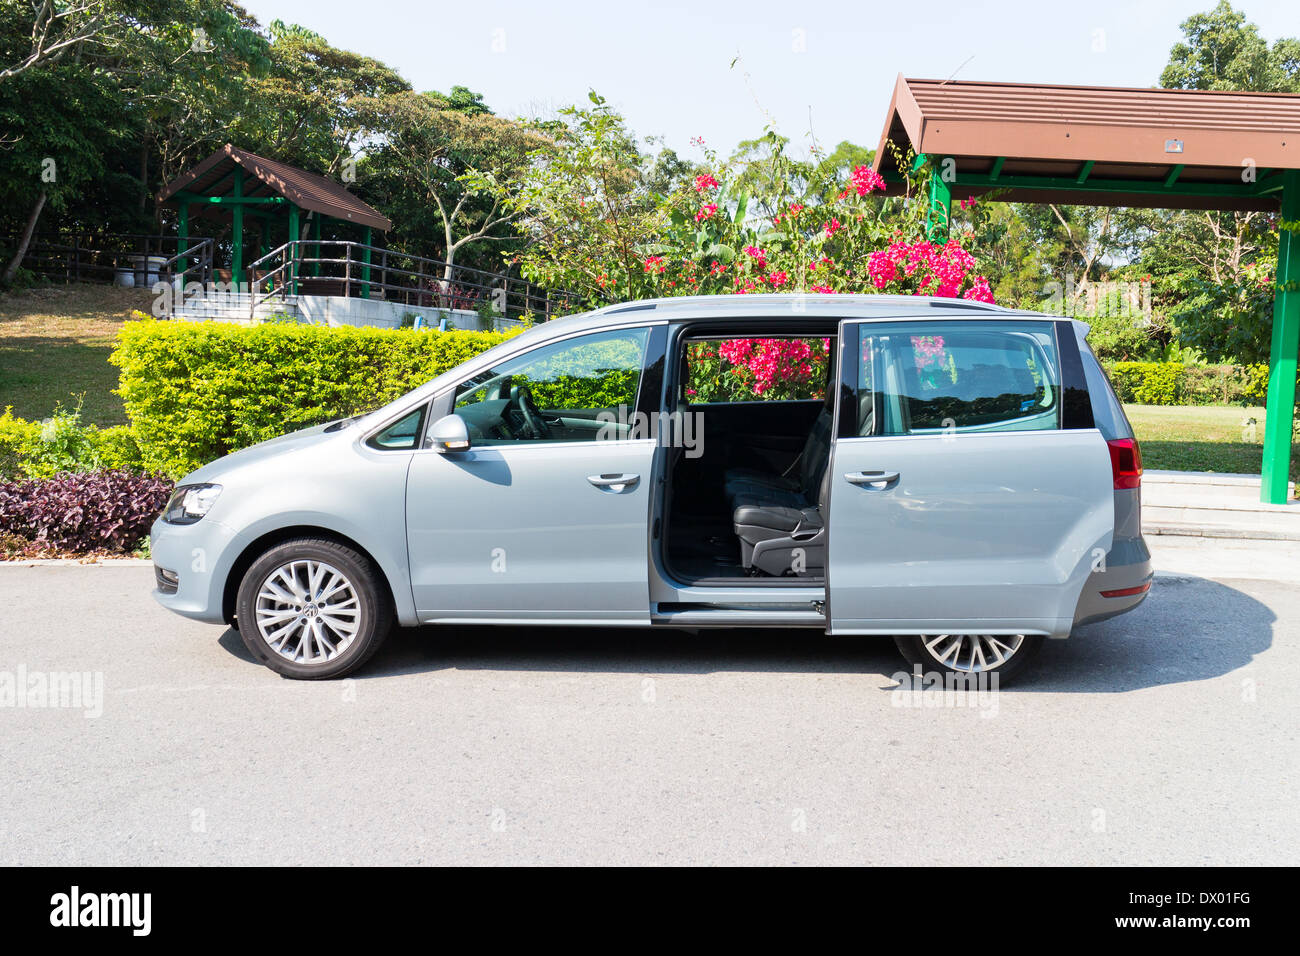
(739, 309)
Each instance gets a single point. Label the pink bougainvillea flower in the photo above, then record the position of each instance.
(832, 227)
(654, 264)
(707, 211)
(968, 203)
(717, 268)
(864, 179)
(795, 209)
(758, 255)
(824, 290)
(705, 181)
(777, 279)
(979, 290)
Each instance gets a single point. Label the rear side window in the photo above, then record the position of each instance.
(1106, 409)
(959, 376)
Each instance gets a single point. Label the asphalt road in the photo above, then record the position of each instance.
(1165, 737)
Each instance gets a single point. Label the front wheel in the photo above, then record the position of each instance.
(970, 655)
(312, 609)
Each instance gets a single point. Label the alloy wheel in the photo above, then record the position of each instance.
(972, 653)
(308, 612)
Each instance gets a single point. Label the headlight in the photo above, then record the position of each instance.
(189, 503)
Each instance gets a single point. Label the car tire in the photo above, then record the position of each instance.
(935, 652)
(313, 609)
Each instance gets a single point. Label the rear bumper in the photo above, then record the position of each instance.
(1120, 586)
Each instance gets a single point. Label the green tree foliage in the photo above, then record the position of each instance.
(1220, 50)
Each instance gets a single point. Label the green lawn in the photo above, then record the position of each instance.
(1202, 438)
(54, 348)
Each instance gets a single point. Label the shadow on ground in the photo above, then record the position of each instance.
(1190, 629)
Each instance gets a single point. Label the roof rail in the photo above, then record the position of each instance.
(631, 308)
(966, 304)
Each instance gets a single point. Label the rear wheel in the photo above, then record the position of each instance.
(970, 655)
(312, 609)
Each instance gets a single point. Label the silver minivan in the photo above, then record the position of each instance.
(956, 476)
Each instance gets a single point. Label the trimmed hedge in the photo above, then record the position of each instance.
(1172, 383)
(195, 391)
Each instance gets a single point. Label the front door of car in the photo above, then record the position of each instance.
(970, 492)
(545, 516)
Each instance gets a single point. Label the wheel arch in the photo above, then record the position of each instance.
(260, 545)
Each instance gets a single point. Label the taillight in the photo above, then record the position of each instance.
(1125, 462)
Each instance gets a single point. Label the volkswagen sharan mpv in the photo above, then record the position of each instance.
(961, 478)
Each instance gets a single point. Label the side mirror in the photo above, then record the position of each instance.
(449, 434)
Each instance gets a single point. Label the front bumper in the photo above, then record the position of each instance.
(199, 556)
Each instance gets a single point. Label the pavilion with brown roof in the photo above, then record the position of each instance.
(1106, 146)
(236, 183)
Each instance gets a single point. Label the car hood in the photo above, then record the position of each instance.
(288, 444)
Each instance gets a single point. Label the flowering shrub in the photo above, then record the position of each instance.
(739, 370)
(854, 241)
(927, 268)
(600, 224)
(91, 512)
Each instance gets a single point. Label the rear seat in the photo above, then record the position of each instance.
(774, 515)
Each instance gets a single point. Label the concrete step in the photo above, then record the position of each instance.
(1212, 505)
(1243, 486)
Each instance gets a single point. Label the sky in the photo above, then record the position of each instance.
(826, 67)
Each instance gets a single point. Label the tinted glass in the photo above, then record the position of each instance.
(922, 377)
(401, 434)
(565, 391)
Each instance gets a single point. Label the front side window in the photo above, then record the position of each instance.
(400, 435)
(958, 376)
(578, 389)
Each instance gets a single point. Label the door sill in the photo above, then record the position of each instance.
(738, 614)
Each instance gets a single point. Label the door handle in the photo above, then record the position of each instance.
(869, 479)
(614, 483)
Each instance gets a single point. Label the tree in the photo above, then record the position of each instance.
(314, 105)
(64, 123)
(51, 30)
(457, 156)
(1212, 267)
(1221, 51)
(584, 206)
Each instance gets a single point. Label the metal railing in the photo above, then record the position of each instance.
(356, 269)
(101, 257)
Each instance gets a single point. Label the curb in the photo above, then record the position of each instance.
(1211, 531)
(75, 562)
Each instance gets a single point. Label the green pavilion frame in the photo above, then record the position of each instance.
(1106, 146)
(264, 199)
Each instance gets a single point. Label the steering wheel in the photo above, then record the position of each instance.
(522, 398)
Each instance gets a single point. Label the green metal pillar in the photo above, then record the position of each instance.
(939, 212)
(365, 269)
(294, 238)
(237, 231)
(1280, 415)
(183, 236)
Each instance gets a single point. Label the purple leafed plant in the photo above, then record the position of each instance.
(90, 512)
